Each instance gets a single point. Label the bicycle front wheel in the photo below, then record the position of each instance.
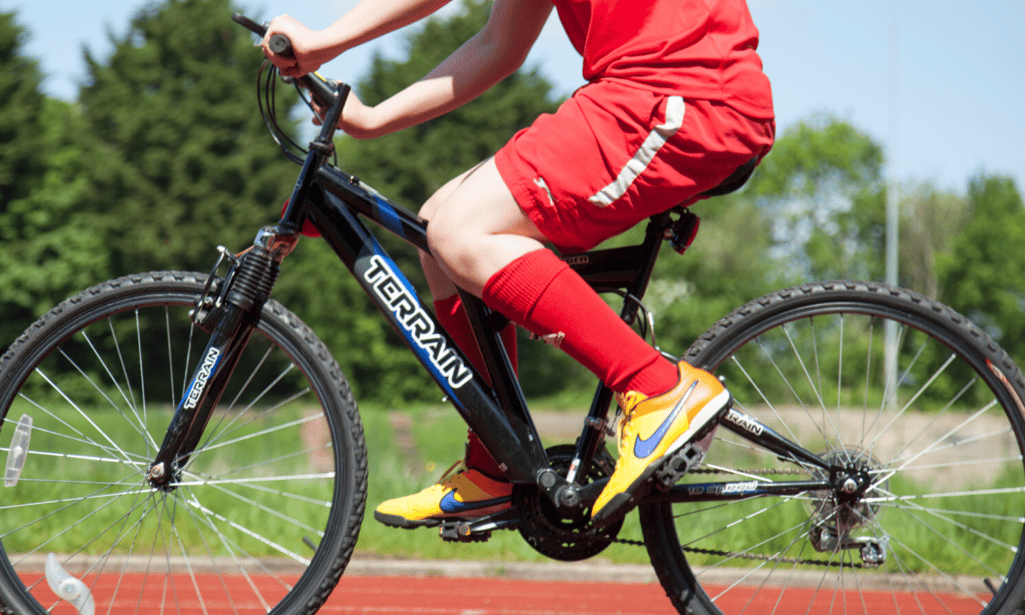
(265, 514)
(891, 388)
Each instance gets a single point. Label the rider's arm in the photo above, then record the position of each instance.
(365, 22)
(494, 53)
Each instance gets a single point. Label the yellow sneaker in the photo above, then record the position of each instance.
(652, 430)
(462, 493)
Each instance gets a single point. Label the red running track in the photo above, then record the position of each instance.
(477, 596)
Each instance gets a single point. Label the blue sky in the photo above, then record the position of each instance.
(941, 84)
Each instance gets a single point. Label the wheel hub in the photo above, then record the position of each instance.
(836, 513)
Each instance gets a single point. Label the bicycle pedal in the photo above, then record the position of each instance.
(462, 531)
(688, 458)
(478, 530)
(682, 461)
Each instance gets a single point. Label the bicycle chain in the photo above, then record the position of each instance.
(749, 472)
(750, 556)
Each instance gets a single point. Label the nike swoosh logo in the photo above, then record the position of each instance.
(449, 503)
(644, 447)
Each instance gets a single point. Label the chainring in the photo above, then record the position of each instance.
(567, 539)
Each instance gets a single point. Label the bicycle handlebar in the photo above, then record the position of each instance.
(323, 90)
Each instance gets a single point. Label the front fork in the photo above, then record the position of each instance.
(230, 309)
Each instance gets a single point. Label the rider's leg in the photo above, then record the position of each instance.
(486, 244)
(666, 152)
(626, 362)
(481, 237)
(448, 307)
(477, 486)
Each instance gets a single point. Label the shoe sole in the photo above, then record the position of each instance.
(624, 502)
(404, 523)
(409, 524)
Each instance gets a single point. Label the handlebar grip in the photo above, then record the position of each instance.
(280, 45)
(323, 90)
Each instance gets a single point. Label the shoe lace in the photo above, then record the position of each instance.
(629, 400)
(448, 478)
(621, 431)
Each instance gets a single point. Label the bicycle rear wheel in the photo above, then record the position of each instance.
(266, 513)
(938, 429)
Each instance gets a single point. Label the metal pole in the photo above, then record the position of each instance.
(892, 213)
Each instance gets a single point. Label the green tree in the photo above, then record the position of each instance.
(983, 275)
(50, 255)
(58, 251)
(21, 102)
(21, 161)
(184, 162)
(819, 186)
(930, 220)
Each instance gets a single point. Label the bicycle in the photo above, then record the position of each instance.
(182, 441)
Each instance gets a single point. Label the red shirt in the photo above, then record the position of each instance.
(693, 48)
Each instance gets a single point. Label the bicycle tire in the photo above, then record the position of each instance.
(266, 513)
(942, 439)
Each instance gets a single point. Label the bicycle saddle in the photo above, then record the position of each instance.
(734, 182)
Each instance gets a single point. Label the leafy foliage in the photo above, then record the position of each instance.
(183, 157)
(58, 246)
(818, 187)
(983, 276)
(51, 252)
(20, 160)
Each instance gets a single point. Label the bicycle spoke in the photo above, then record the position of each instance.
(925, 479)
(228, 531)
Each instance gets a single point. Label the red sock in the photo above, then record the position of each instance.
(544, 295)
(454, 319)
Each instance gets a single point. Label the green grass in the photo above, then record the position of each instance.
(62, 429)
(438, 437)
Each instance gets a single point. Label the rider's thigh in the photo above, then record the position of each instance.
(481, 204)
(478, 228)
(441, 194)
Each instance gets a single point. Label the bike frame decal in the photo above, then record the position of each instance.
(202, 377)
(395, 292)
(745, 422)
(388, 217)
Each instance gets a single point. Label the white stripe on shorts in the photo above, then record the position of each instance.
(640, 161)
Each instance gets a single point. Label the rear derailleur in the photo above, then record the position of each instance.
(826, 539)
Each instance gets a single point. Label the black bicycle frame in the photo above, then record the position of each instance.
(335, 202)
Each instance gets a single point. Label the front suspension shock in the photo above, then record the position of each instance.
(240, 301)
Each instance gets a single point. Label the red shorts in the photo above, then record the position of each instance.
(613, 155)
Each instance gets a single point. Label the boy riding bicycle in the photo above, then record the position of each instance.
(676, 101)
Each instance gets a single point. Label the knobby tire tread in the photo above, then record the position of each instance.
(20, 351)
(671, 566)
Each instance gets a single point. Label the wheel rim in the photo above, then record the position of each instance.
(944, 497)
(241, 527)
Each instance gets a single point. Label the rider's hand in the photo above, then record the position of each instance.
(307, 55)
